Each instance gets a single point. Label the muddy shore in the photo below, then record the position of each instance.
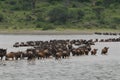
(54, 32)
(66, 32)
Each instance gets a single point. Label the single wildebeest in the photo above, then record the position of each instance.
(94, 52)
(3, 53)
(10, 55)
(104, 50)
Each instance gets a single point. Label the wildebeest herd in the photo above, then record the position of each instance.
(57, 49)
(106, 33)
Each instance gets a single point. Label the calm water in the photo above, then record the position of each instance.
(75, 68)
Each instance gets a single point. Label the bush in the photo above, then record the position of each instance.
(48, 27)
(15, 27)
(40, 25)
(40, 17)
(58, 15)
(45, 26)
(116, 20)
(1, 17)
(53, 1)
(98, 10)
(12, 2)
(75, 14)
(113, 26)
(80, 14)
(29, 18)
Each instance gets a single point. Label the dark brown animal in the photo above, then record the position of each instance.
(104, 50)
(58, 55)
(18, 55)
(86, 51)
(41, 55)
(31, 55)
(10, 55)
(16, 44)
(65, 53)
(94, 52)
(2, 53)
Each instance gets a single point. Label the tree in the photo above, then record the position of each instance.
(107, 3)
(75, 15)
(52, 1)
(98, 11)
(116, 20)
(93, 2)
(58, 15)
(1, 17)
(26, 4)
(67, 3)
(83, 0)
(80, 14)
(33, 4)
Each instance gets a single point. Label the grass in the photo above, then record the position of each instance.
(56, 31)
(38, 19)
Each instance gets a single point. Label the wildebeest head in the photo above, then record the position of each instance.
(3, 51)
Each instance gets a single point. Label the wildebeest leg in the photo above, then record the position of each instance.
(41, 57)
(28, 58)
(6, 58)
(16, 58)
(12, 58)
(105, 53)
(1, 57)
(63, 57)
(38, 58)
(56, 58)
(73, 54)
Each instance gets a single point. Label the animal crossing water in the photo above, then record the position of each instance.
(99, 67)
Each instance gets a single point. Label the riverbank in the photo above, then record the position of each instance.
(50, 32)
(56, 32)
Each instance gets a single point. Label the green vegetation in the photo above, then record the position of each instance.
(56, 14)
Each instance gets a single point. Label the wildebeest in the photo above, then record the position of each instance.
(94, 52)
(58, 55)
(14, 55)
(10, 55)
(16, 44)
(30, 54)
(3, 53)
(18, 55)
(104, 50)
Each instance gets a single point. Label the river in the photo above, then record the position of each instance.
(99, 67)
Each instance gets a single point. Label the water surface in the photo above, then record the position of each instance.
(97, 67)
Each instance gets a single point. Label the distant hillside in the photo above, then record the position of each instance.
(55, 14)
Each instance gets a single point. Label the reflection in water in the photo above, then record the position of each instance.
(2, 63)
(31, 62)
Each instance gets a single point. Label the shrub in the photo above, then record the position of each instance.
(1, 17)
(98, 10)
(80, 14)
(113, 26)
(40, 25)
(75, 14)
(48, 27)
(116, 20)
(29, 18)
(12, 2)
(58, 15)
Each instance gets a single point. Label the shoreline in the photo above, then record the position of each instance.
(46, 33)
(54, 32)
